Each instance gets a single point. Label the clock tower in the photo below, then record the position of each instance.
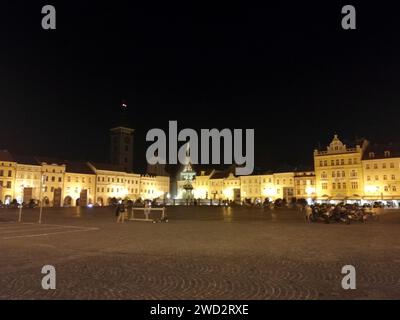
(121, 151)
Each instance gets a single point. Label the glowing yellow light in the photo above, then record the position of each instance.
(310, 190)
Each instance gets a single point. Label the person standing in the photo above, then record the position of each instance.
(120, 212)
(308, 211)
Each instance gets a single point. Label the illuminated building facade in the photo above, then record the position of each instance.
(71, 183)
(339, 172)
(362, 173)
(381, 173)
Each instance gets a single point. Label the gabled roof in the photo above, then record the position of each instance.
(6, 156)
(378, 151)
(50, 160)
(24, 159)
(106, 166)
(78, 167)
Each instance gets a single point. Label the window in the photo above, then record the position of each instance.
(367, 166)
(350, 161)
(392, 165)
(321, 163)
(332, 162)
(333, 174)
(385, 177)
(68, 179)
(59, 179)
(337, 162)
(344, 185)
(387, 154)
(8, 185)
(342, 162)
(338, 174)
(393, 177)
(376, 178)
(339, 185)
(9, 173)
(386, 189)
(324, 186)
(368, 178)
(371, 155)
(53, 179)
(394, 188)
(383, 165)
(354, 185)
(343, 174)
(375, 166)
(1, 173)
(333, 185)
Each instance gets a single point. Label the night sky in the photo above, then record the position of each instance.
(287, 70)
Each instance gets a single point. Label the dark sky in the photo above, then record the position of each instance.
(287, 70)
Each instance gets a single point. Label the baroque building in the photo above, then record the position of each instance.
(360, 173)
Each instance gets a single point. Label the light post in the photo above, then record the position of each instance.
(20, 205)
(40, 197)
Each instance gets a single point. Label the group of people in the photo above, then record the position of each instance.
(121, 210)
(340, 212)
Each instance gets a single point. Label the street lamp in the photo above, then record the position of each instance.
(40, 197)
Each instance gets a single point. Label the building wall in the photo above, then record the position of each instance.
(381, 178)
(7, 180)
(27, 176)
(53, 178)
(338, 172)
(74, 183)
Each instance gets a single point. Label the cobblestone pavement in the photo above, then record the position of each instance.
(202, 253)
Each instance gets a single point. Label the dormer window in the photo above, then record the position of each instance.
(387, 154)
(371, 155)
